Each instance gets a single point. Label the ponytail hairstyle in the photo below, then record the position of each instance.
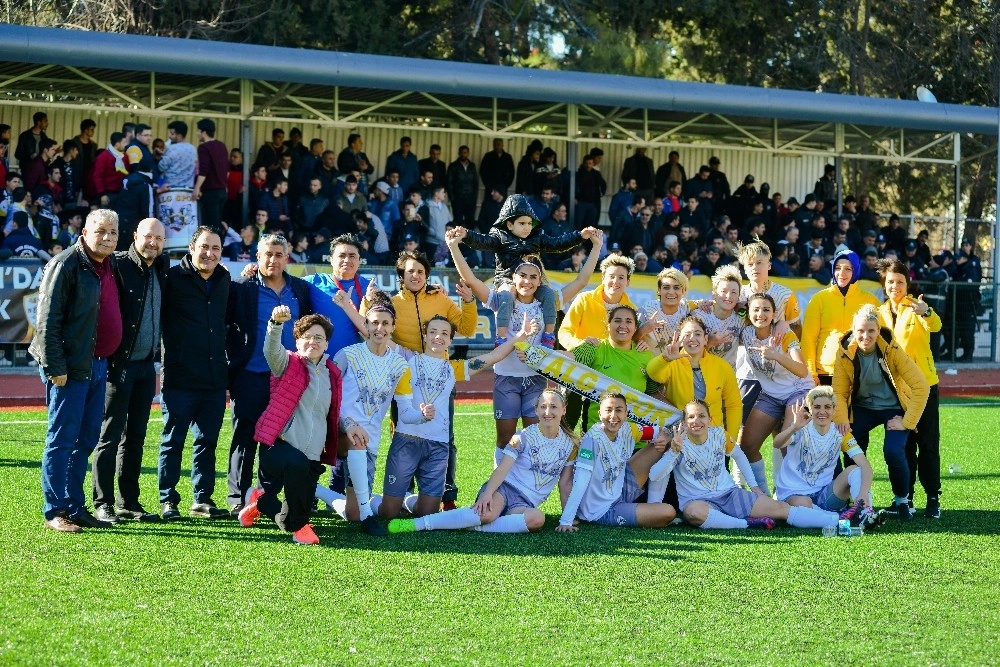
(380, 302)
(536, 262)
(563, 426)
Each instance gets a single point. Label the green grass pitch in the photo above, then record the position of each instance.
(200, 593)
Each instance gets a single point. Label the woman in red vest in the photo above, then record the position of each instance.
(298, 430)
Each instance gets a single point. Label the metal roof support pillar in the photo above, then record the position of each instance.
(572, 156)
(246, 142)
(957, 158)
(838, 140)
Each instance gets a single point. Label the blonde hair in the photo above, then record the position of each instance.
(750, 251)
(866, 313)
(570, 433)
(674, 274)
(618, 260)
(726, 274)
(822, 391)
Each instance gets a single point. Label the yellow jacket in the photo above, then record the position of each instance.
(413, 311)
(587, 318)
(904, 377)
(828, 317)
(722, 392)
(913, 333)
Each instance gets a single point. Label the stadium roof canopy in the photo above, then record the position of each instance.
(160, 77)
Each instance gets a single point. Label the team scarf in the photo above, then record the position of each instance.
(588, 383)
(119, 159)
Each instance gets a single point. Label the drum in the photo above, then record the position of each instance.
(178, 211)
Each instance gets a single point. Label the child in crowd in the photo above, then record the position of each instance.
(609, 477)
(514, 235)
(707, 495)
(533, 462)
(813, 447)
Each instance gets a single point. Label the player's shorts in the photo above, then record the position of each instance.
(625, 510)
(410, 457)
(512, 498)
(775, 407)
(824, 499)
(371, 470)
(515, 397)
(749, 391)
(735, 502)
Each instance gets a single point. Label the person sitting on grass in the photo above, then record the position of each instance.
(420, 449)
(609, 477)
(514, 235)
(298, 429)
(533, 462)
(687, 371)
(812, 448)
(707, 494)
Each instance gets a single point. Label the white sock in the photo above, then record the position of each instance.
(497, 456)
(760, 476)
(854, 481)
(375, 503)
(656, 489)
(328, 495)
(717, 519)
(357, 466)
(463, 517)
(512, 523)
(777, 458)
(340, 507)
(811, 517)
(410, 502)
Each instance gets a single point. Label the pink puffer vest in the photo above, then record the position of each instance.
(285, 394)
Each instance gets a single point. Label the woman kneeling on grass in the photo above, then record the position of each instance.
(298, 429)
(609, 477)
(534, 460)
(708, 496)
(813, 446)
(420, 450)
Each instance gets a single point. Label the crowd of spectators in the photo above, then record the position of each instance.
(659, 216)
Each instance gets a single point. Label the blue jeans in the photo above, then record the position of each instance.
(76, 411)
(894, 447)
(201, 411)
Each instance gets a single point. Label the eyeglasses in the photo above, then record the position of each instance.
(315, 338)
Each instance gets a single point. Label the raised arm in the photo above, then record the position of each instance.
(481, 363)
(570, 290)
(479, 288)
